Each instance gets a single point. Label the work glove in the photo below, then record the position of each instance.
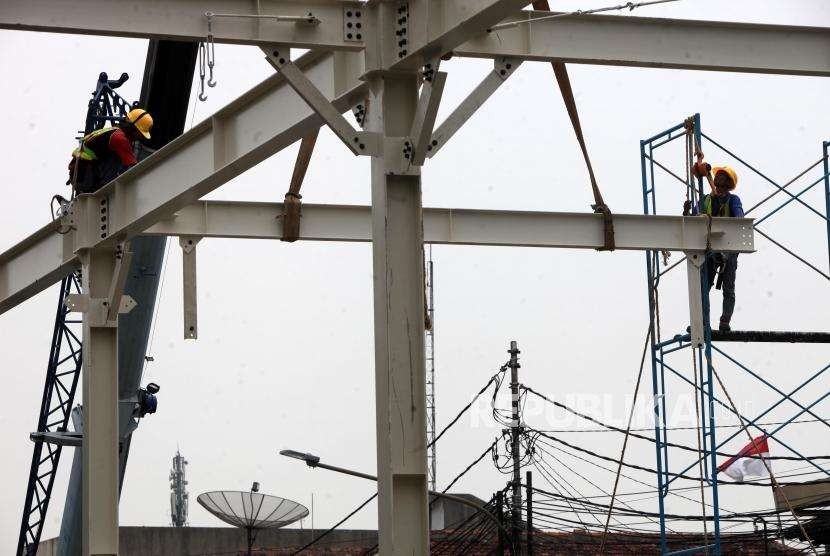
(687, 208)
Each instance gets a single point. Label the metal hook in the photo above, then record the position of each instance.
(202, 96)
(210, 50)
(211, 62)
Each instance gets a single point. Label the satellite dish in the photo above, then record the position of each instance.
(252, 511)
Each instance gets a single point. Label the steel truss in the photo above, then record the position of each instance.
(62, 374)
(396, 68)
(663, 366)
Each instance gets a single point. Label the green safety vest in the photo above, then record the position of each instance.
(722, 212)
(84, 152)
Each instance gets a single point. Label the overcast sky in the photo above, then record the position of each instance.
(285, 356)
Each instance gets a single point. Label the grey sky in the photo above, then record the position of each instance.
(284, 357)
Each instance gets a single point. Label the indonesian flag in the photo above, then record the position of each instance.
(741, 465)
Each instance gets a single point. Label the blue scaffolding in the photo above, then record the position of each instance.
(664, 366)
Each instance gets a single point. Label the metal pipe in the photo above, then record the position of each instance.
(314, 461)
(827, 197)
(654, 381)
(742, 161)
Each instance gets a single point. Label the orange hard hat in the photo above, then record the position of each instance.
(141, 120)
(733, 175)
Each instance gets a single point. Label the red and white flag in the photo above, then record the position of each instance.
(743, 465)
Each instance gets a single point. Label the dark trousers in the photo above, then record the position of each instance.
(91, 176)
(729, 268)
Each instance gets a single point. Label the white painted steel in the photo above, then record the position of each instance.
(185, 20)
(660, 43)
(39, 261)
(352, 223)
(261, 122)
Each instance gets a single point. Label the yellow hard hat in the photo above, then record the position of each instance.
(733, 175)
(141, 120)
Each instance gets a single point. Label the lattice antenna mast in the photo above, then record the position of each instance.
(429, 358)
(178, 492)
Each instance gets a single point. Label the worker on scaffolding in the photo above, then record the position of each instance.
(719, 202)
(106, 153)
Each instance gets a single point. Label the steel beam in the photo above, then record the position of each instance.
(261, 122)
(575, 230)
(434, 27)
(39, 261)
(502, 69)
(659, 43)
(185, 20)
(400, 375)
(100, 400)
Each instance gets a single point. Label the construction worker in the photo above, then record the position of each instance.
(106, 153)
(720, 202)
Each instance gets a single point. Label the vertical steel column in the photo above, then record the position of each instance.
(100, 399)
(710, 442)
(515, 447)
(825, 151)
(400, 381)
(650, 272)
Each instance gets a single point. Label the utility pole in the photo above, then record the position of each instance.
(515, 438)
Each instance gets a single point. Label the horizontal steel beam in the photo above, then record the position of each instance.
(352, 223)
(261, 122)
(44, 258)
(437, 26)
(185, 20)
(658, 43)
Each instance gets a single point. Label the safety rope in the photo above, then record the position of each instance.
(599, 206)
(625, 443)
(773, 480)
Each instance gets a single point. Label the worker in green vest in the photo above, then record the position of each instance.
(720, 202)
(106, 153)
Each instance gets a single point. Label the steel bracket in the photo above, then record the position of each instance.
(503, 68)
(354, 24)
(96, 310)
(426, 111)
(188, 244)
(359, 142)
(398, 152)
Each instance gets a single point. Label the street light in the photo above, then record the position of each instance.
(314, 461)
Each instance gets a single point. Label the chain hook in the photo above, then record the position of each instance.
(202, 96)
(211, 52)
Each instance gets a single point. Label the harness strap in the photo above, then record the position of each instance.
(561, 73)
(292, 205)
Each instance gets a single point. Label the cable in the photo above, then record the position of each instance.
(648, 438)
(630, 6)
(336, 525)
(774, 481)
(648, 429)
(625, 440)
